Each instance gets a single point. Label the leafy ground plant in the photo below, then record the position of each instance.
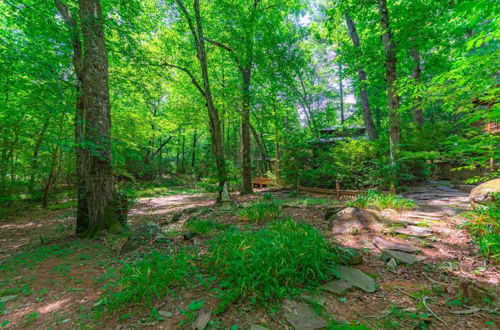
(261, 212)
(383, 201)
(152, 277)
(484, 225)
(203, 226)
(271, 263)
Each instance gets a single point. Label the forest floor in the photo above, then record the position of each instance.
(49, 279)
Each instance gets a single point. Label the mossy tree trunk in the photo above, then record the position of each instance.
(102, 198)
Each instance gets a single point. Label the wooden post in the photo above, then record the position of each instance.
(337, 188)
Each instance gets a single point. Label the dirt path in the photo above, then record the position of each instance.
(451, 278)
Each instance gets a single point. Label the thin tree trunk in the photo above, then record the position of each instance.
(82, 213)
(193, 158)
(363, 91)
(50, 179)
(36, 150)
(262, 150)
(418, 115)
(105, 211)
(392, 93)
(341, 90)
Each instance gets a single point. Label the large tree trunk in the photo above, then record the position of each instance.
(82, 213)
(391, 77)
(418, 115)
(363, 92)
(102, 198)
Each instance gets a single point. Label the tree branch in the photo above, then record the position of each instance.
(229, 49)
(186, 71)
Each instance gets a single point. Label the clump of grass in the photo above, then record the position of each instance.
(263, 211)
(484, 225)
(271, 263)
(383, 201)
(204, 226)
(150, 279)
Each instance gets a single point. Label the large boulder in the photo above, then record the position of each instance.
(352, 219)
(484, 192)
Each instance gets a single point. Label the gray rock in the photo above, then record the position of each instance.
(143, 235)
(165, 314)
(404, 257)
(414, 231)
(337, 286)
(392, 263)
(189, 235)
(257, 327)
(302, 317)
(4, 299)
(357, 278)
(331, 211)
(202, 320)
(384, 244)
(318, 300)
(352, 218)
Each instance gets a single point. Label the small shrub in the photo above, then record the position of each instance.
(261, 212)
(383, 201)
(484, 225)
(149, 279)
(271, 263)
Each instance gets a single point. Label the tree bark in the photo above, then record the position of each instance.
(363, 92)
(392, 93)
(213, 114)
(81, 153)
(418, 115)
(103, 201)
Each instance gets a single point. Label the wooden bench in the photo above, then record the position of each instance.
(260, 182)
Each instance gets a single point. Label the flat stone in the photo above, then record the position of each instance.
(165, 314)
(318, 300)
(4, 299)
(202, 320)
(390, 214)
(404, 257)
(414, 231)
(302, 317)
(357, 278)
(384, 244)
(337, 286)
(257, 327)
